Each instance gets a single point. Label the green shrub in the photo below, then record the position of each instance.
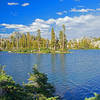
(36, 89)
(97, 97)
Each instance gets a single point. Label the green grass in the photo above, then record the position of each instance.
(42, 51)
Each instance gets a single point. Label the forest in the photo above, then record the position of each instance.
(28, 43)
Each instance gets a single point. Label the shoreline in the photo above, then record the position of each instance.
(39, 52)
(46, 52)
(56, 52)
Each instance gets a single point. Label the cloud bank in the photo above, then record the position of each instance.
(76, 27)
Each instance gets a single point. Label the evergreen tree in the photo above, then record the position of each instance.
(24, 41)
(28, 37)
(37, 89)
(53, 39)
(39, 39)
(40, 83)
(61, 40)
(64, 37)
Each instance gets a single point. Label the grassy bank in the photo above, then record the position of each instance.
(42, 51)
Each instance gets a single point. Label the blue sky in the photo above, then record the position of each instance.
(18, 15)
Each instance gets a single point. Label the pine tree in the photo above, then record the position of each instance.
(28, 36)
(40, 83)
(62, 39)
(53, 39)
(23, 40)
(12, 42)
(39, 39)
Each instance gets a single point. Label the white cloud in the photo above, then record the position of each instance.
(12, 3)
(82, 10)
(98, 9)
(51, 21)
(13, 26)
(61, 13)
(76, 27)
(25, 4)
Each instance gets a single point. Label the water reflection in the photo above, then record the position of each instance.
(38, 59)
(75, 76)
(53, 62)
(62, 62)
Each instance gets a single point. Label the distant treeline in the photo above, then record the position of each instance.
(84, 43)
(24, 42)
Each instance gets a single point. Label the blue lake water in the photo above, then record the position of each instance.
(75, 75)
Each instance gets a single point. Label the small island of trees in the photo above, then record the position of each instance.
(27, 43)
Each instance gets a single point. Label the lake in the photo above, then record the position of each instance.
(75, 75)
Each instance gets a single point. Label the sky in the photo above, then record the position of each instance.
(81, 17)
